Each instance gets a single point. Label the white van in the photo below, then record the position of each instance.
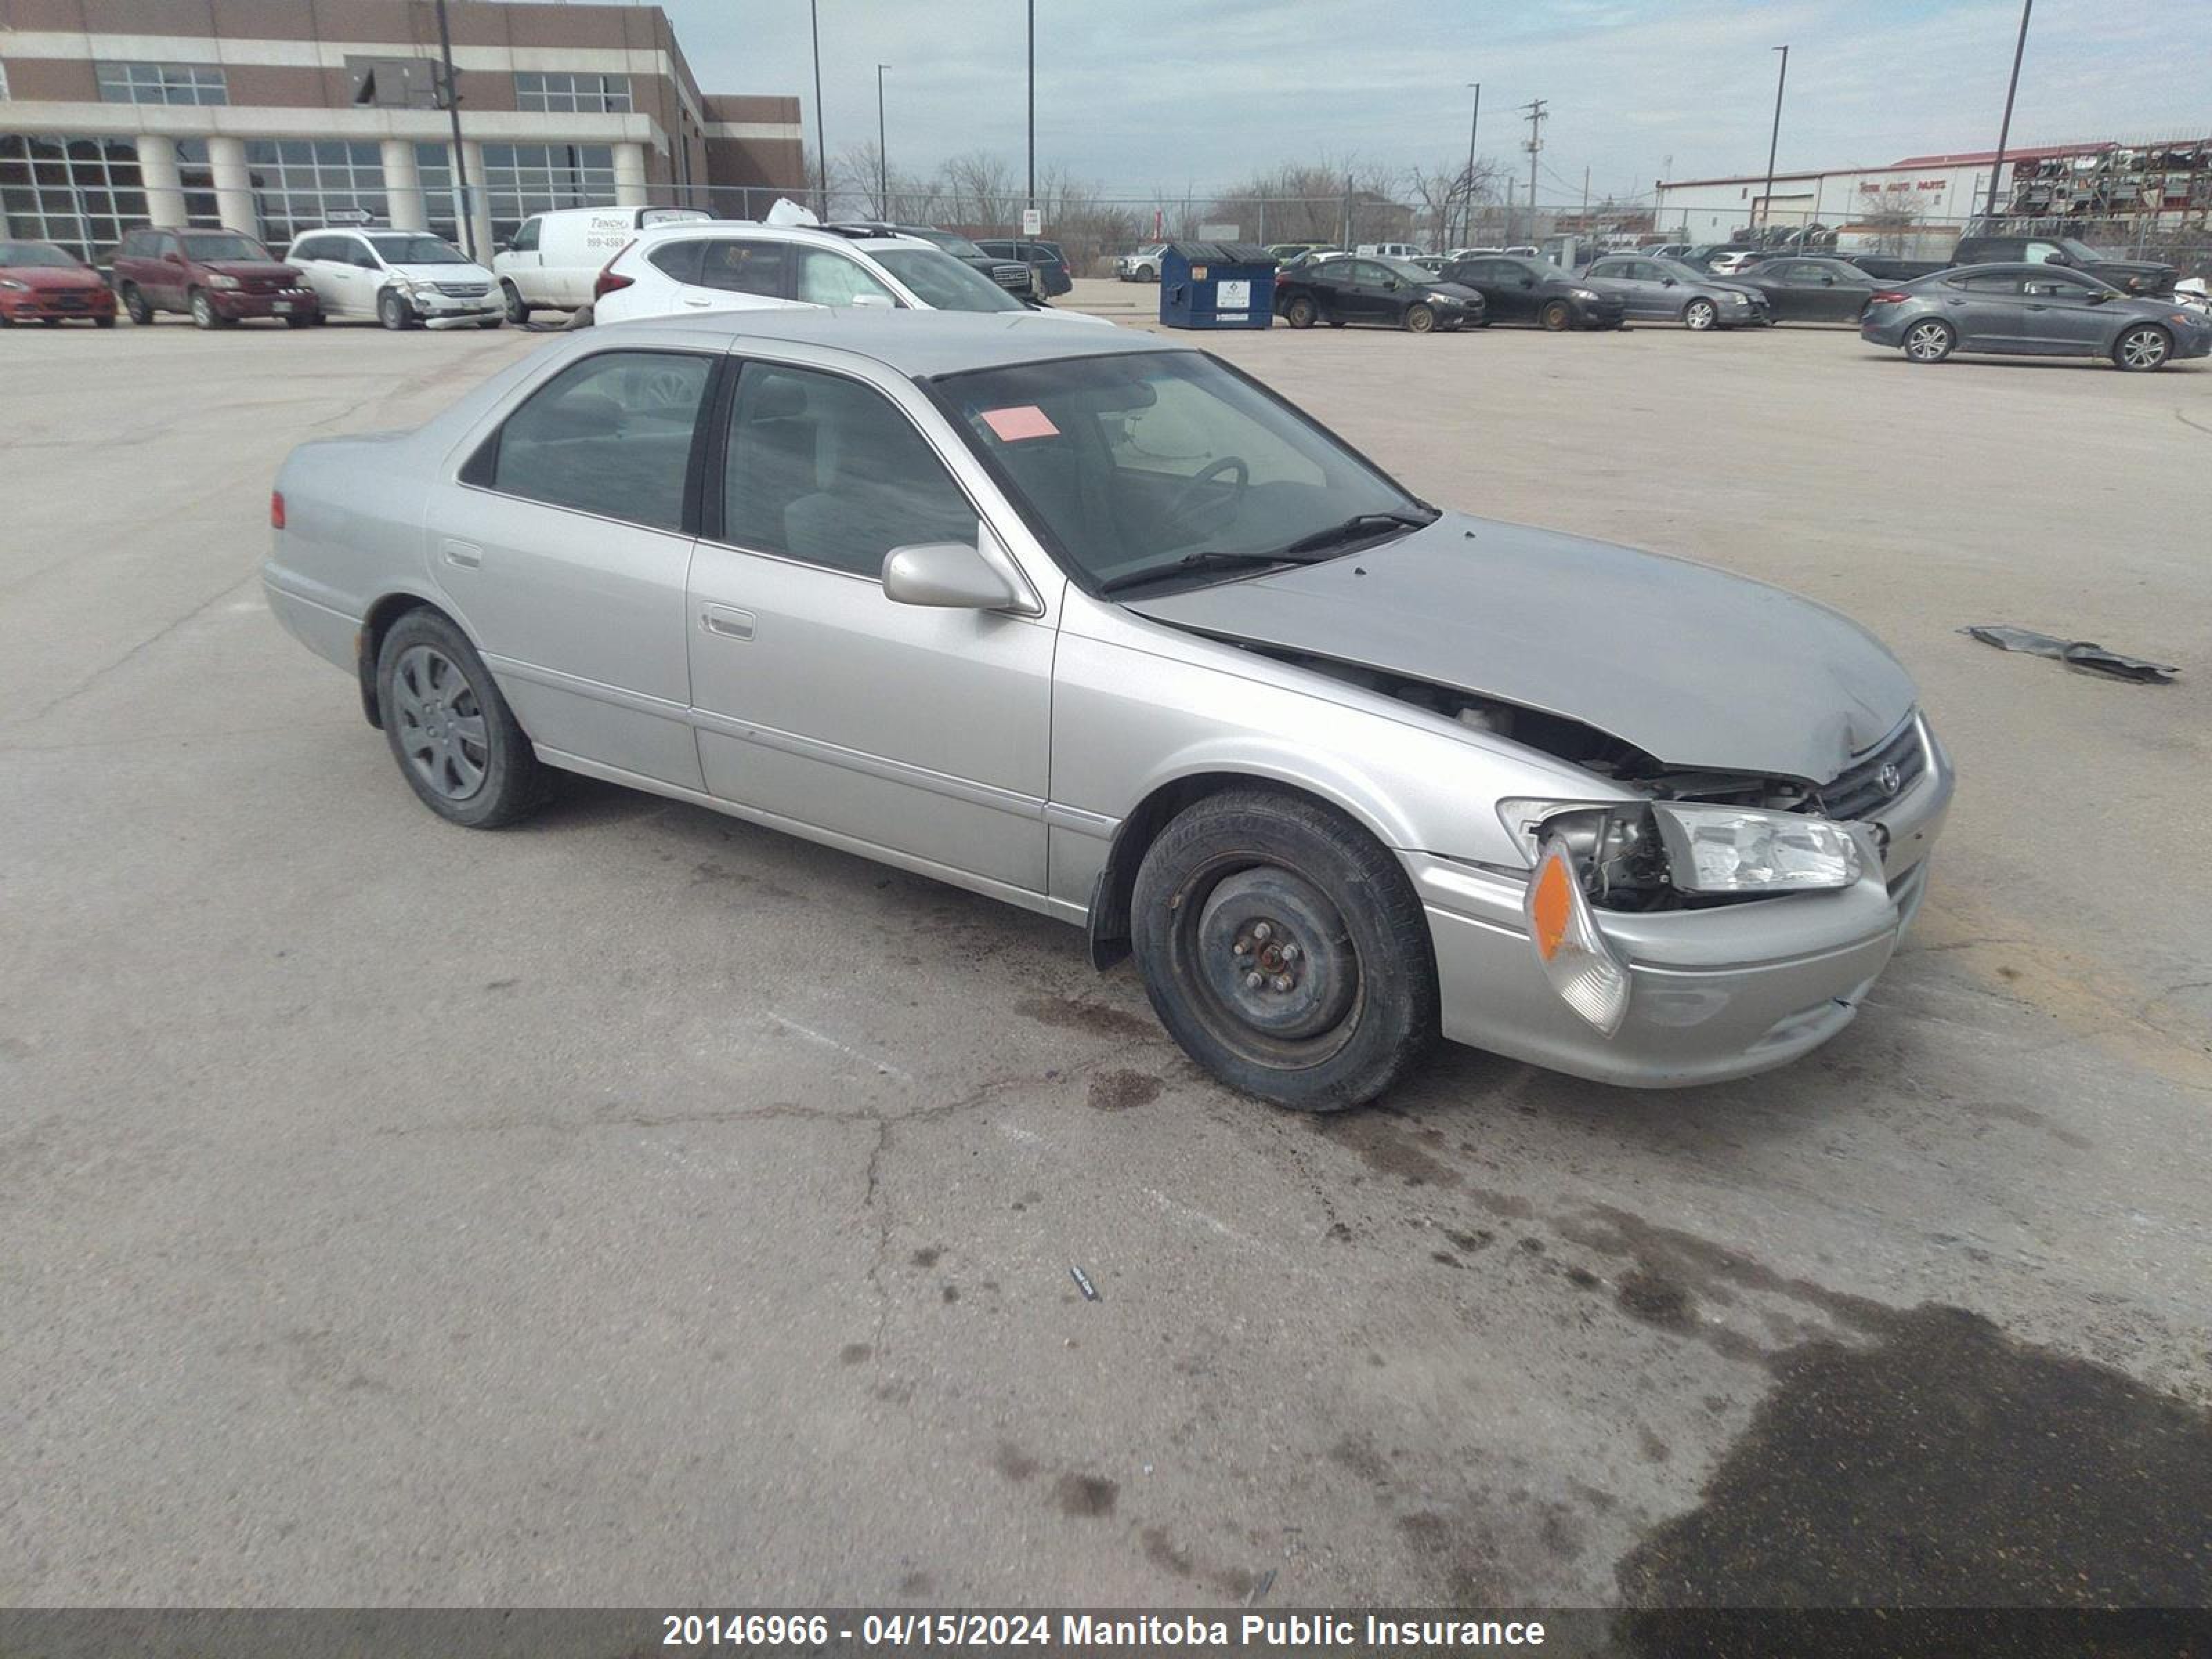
(400, 278)
(1391, 249)
(552, 259)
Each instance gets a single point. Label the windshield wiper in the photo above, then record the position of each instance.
(1204, 560)
(1359, 524)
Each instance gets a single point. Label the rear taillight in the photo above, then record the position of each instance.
(609, 280)
(1890, 296)
(275, 509)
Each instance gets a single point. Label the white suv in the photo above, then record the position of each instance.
(672, 269)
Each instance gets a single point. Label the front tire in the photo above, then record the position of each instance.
(1419, 319)
(204, 314)
(1557, 317)
(1699, 315)
(1300, 312)
(2143, 348)
(1283, 947)
(391, 310)
(517, 312)
(456, 741)
(1931, 340)
(493, 322)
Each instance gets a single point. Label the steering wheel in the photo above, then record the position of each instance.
(1180, 502)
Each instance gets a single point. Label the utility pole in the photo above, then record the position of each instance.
(883, 156)
(1032, 195)
(1766, 203)
(2004, 132)
(821, 145)
(1466, 210)
(452, 93)
(1534, 110)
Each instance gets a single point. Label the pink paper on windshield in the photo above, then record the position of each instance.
(1022, 421)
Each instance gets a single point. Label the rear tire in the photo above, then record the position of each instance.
(108, 321)
(1300, 312)
(134, 303)
(1256, 884)
(517, 312)
(300, 322)
(1557, 317)
(2143, 348)
(456, 741)
(1931, 340)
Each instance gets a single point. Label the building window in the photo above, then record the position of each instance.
(298, 181)
(433, 171)
(83, 193)
(393, 82)
(161, 83)
(521, 179)
(203, 211)
(587, 94)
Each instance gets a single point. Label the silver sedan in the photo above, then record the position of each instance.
(1095, 624)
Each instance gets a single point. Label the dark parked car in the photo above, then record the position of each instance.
(1667, 291)
(1888, 268)
(1372, 290)
(1012, 275)
(1053, 277)
(2135, 276)
(1518, 290)
(2033, 310)
(213, 276)
(42, 282)
(1810, 290)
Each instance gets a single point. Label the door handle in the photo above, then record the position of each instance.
(688, 300)
(725, 620)
(467, 555)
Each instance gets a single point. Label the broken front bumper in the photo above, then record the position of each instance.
(1715, 994)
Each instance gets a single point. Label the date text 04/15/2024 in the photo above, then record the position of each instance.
(1084, 1630)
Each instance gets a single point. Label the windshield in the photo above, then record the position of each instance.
(418, 250)
(2083, 251)
(224, 246)
(1408, 269)
(20, 254)
(942, 282)
(1135, 463)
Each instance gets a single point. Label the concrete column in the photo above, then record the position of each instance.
(629, 175)
(479, 200)
(165, 186)
(233, 185)
(402, 186)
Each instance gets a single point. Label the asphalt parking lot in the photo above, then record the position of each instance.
(636, 1206)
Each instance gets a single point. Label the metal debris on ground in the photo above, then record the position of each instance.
(1083, 1284)
(1267, 1583)
(2074, 653)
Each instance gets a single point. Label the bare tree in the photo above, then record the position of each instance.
(1450, 194)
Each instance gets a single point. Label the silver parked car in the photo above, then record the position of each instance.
(1094, 623)
(2033, 310)
(1661, 290)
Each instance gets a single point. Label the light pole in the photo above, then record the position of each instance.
(821, 145)
(1031, 201)
(1467, 209)
(2004, 132)
(463, 211)
(883, 156)
(1767, 202)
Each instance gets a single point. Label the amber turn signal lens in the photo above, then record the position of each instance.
(1553, 907)
(275, 509)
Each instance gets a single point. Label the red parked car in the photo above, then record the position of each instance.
(213, 276)
(41, 282)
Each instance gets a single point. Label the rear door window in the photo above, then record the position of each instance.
(745, 267)
(610, 434)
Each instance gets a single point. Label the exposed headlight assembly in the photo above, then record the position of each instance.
(1691, 846)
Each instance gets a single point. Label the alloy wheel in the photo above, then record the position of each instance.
(441, 722)
(1700, 314)
(1928, 343)
(2142, 348)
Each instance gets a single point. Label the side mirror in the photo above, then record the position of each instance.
(502, 248)
(1668, 281)
(873, 302)
(2101, 295)
(951, 575)
(172, 257)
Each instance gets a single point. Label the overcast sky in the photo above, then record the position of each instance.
(1136, 95)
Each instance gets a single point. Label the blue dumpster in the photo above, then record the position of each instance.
(1217, 285)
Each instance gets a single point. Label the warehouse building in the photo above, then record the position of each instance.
(269, 116)
(2116, 188)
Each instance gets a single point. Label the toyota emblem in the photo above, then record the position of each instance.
(1891, 776)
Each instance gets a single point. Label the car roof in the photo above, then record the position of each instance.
(743, 229)
(919, 344)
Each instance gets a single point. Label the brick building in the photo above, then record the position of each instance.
(264, 115)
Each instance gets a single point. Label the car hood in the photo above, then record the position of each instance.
(1697, 667)
(435, 274)
(1459, 291)
(2141, 275)
(49, 277)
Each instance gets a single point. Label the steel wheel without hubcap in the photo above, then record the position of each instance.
(1558, 317)
(1419, 320)
(1928, 343)
(440, 723)
(1276, 967)
(1700, 314)
(2142, 348)
(1300, 313)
